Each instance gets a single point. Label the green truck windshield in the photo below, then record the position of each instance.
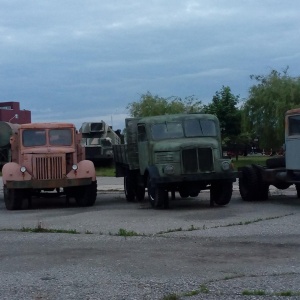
(187, 128)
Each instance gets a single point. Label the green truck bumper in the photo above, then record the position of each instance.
(207, 177)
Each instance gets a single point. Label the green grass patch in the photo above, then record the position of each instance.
(106, 171)
(124, 232)
(286, 293)
(254, 293)
(253, 221)
(191, 293)
(204, 289)
(248, 160)
(263, 293)
(241, 223)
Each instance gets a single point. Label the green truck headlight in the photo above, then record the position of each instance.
(169, 169)
(225, 165)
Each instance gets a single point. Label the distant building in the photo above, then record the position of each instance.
(10, 112)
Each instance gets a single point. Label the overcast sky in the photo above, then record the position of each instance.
(79, 61)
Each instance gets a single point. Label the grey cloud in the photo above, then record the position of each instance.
(81, 59)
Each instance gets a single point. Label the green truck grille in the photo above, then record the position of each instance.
(164, 157)
(197, 160)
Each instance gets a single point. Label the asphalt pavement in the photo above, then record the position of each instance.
(124, 252)
(116, 184)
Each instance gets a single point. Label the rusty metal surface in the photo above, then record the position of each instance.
(47, 125)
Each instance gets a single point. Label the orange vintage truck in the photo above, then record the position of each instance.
(47, 157)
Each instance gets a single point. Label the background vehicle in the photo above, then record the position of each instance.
(6, 131)
(47, 157)
(174, 153)
(98, 139)
(281, 171)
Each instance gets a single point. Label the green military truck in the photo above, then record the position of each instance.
(174, 153)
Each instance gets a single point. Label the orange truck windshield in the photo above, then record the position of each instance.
(38, 137)
(60, 137)
(34, 137)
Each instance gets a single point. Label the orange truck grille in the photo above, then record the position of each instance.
(49, 167)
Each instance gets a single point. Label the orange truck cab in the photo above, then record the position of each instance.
(47, 157)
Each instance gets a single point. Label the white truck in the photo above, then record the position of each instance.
(98, 139)
(281, 172)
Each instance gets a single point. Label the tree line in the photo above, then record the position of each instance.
(257, 121)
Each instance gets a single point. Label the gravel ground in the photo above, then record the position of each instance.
(64, 266)
(191, 251)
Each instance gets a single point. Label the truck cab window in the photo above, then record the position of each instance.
(208, 127)
(159, 131)
(294, 125)
(167, 130)
(192, 128)
(198, 127)
(60, 137)
(33, 137)
(142, 136)
(175, 130)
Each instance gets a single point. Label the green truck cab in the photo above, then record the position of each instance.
(174, 153)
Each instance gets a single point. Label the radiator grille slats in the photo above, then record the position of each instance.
(205, 159)
(189, 159)
(197, 160)
(162, 158)
(50, 167)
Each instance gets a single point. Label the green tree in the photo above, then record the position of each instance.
(150, 105)
(224, 106)
(263, 112)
